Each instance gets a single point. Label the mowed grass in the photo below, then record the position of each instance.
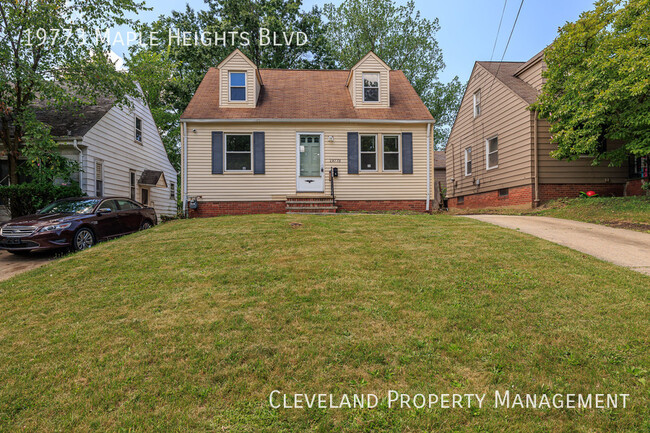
(189, 327)
(631, 213)
(627, 212)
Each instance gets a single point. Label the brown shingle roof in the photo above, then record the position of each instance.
(151, 177)
(506, 74)
(72, 121)
(306, 94)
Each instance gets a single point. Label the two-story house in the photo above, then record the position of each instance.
(271, 141)
(119, 150)
(498, 153)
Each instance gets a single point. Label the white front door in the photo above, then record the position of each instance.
(309, 162)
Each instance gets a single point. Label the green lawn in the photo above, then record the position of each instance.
(189, 327)
(624, 212)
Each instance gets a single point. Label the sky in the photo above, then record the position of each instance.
(468, 28)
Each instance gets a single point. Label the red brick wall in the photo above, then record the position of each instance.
(216, 208)
(633, 187)
(517, 196)
(382, 205)
(552, 191)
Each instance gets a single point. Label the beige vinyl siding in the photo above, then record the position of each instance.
(503, 114)
(370, 64)
(556, 171)
(280, 163)
(238, 63)
(533, 75)
(112, 141)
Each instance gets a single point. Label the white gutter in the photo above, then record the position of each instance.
(184, 167)
(258, 120)
(428, 166)
(81, 162)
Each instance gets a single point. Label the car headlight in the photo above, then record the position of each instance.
(55, 227)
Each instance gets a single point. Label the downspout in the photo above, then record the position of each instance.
(184, 167)
(81, 163)
(428, 166)
(536, 159)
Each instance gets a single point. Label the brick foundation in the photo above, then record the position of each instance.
(552, 191)
(520, 196)
(382, 205)
(523, 196)
(634, 187)
(217, 208)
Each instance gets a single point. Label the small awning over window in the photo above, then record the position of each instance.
(153, 178)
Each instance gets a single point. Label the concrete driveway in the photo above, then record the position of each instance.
(11, 265)
(619, 246)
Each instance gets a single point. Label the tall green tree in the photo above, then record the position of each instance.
(405, 40)
(169, 74)
(155, 73)
(598, 83)
(41, 64)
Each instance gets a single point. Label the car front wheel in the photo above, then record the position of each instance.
(83, 239)
(145, 225)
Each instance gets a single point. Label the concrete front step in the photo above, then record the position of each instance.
(332, 212)
(311, 208)
(310, 202)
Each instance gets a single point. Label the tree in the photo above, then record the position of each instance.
(44, 56)
(598, 83)
(43, 161)
(170, 74)
(405, 41)
(154, 72)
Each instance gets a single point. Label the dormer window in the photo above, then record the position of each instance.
(370, 87)
(238, 86)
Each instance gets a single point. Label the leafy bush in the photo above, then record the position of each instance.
(27, 198)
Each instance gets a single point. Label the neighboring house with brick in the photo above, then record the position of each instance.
(498, 152)
(119, 150)
(272, 140)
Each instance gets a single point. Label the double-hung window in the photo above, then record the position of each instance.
(172, 191)
(492, 153)
(238, 152)
(477, 103)
(368, 150)
(468, 161)
(132, 183)
(391, 153)
(99, 179)
(238, 86)
(370, 87)
(138, 130)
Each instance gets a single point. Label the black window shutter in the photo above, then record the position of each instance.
(258, 152)
(407, 152)
(353, 153)
(217, 152)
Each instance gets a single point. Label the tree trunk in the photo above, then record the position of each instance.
(13, 167)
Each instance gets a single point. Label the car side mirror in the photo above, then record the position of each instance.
(104, 210)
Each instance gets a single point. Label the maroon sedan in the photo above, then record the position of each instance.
(77, 223)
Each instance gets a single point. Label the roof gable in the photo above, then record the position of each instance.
(363, 60)
(504, 72)
(237, 53)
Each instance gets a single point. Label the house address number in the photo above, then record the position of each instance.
(334, 160)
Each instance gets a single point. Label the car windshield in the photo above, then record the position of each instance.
(70, 206)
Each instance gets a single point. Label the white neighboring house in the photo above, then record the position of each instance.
(119, 150)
